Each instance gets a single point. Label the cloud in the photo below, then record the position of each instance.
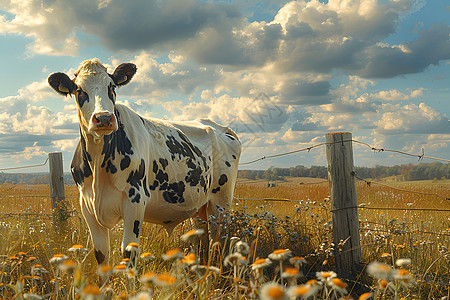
(396, 95)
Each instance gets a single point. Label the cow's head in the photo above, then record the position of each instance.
(94, 90)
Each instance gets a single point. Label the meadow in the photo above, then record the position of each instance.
(42, 261)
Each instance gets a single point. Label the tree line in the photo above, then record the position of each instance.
(422, 171)
(409, 172)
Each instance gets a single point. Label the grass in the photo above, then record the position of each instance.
(266, 226)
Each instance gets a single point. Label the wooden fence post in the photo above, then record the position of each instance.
(57, 192)
(341, 181)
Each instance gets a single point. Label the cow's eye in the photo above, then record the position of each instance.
(82, 97)
(112, 92)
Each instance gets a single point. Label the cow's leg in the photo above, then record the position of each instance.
(201, 222)
(99, 235)
(133, 216)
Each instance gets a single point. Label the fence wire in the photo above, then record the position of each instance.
(376, 150)
(25, 167)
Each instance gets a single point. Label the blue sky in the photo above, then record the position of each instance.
(281, 74)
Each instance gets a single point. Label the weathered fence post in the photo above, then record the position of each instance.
(342, 187)
(57, 192)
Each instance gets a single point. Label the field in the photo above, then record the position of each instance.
(419, 230)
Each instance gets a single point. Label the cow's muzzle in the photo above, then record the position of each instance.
(103, 123)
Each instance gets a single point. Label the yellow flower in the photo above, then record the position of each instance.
(91, 289)
(76, 248)
(172, 254)
(261, 263)
(164, 279)
(325, 276)
(189, 259)
(104, 270)
(365, 296)
(290, 273)
(338, 285)
(272, 291)
(68, 266)
(192, 234)
(379, 270)
(280, 254)
(147, 256)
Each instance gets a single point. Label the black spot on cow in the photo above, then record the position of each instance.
(183, 147)
(80, 163)
(131, 192)
(164, 162)
(136, 228)
(162, 177)
(136, 199)
(174, 192)
(194, 176)
(110, 167)
(233, 156)
(142, 120)
(116, 142)
(99, 256)
(144, 184)
(125, 162)
(154, 185)
(155, 167)
(135, 177)
(167, 222)
(227, 164)
(215, 190)
(223, 179)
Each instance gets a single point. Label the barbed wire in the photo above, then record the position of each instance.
(420, 157)
(25, 167)
(369, 182)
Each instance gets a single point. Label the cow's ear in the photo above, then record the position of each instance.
(62, 84)
(123, 73)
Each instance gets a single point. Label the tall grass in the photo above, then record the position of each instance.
(302, 227)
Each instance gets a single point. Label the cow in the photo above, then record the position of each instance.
(138, 169)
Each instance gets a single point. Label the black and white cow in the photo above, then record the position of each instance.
(141, 169)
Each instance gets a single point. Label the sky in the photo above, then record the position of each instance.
(281, 74)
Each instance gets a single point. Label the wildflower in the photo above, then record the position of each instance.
(142, 295)
(379, 270)
(58, 258)
(172, 254)
(382, 284)
(32, 259)
(189, 259)
(338, 285)
(280, 254)
(22, 254)
(147, 256)
(131, 273)
(164, 279)
(404, 277)
(91, 291)
(386, 255)
(261, 263)
(365, 296)
(191, 235)
(104, 270)
(290, 273)
(242, 247)
(125, 261)
(147, 278)
(325, 276)
(13, 258)
(297, 261)
(36, 269)
(305, 291)
(402, 262)
(120, 268)
(272, 291)
(68, 266)
(76, 248)
(132, 247)
(233, 259)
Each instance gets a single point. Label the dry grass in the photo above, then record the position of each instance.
(302, 227)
